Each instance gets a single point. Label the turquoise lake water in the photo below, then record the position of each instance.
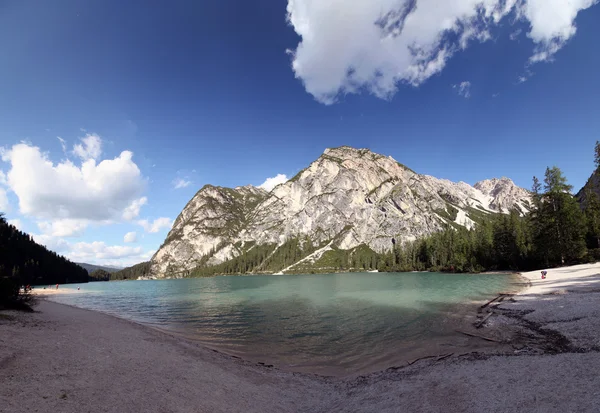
(336, 324)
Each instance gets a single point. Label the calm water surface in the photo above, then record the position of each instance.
(335, 324)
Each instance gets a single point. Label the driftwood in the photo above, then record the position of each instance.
(499, 298)
(445, 356)
(420, 358)
(478, 336)
(491, 301)
(480, 324)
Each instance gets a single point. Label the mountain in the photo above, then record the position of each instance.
(345, 200)
(593, 184)
(91, 267)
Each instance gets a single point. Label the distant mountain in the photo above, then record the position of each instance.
(348, 199)
(91, 267)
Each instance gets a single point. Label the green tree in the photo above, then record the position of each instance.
(559, 222)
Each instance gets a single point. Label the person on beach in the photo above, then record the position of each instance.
(544, 274)
(57, 286)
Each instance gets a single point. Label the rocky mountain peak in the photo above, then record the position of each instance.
(505, 193)
(348, 198)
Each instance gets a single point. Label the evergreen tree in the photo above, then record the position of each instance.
(559, 221)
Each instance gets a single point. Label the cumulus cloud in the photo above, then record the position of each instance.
(130, 237)
(89, 148)
(463, 89)
(63, 227)
(157, 225)
(104, 191)
(373, 45)
(133, 210)
(94, 252)
(59, 245)
(271, 183)
(181, 183)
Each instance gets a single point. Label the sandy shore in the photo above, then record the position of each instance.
(63, 359)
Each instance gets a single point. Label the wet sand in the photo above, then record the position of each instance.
(64, 359)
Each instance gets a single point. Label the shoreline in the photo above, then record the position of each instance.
(78, 359)
(458, 337)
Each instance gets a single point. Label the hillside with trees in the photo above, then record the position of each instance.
(24, 262)
(99, 275)
(131, 273)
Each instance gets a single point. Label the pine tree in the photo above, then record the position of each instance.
(559, 221)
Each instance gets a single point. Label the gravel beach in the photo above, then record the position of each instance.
(65, 359)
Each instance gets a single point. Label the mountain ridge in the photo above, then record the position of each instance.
(345, 199)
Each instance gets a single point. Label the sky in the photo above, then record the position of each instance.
(114, 114)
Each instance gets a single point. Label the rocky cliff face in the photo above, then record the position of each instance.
(346, 198)
(593, 185)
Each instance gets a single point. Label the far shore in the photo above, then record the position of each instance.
(66, 359)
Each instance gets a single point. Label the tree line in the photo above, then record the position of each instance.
(24, 262)
(131, 273)
(560, 229)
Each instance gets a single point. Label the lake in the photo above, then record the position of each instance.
(333, 324)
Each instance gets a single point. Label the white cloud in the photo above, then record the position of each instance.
(515, 35)
(55, 244)
(63, 144)
(463, 89)
(2, 178)
(3, 201)
(373, 45)
(90, 147)
(99, 250)
(133, 210)
(181, 183)
(157, 225)
(271, 183)
(95, 252)
(63, 227)
(100, 192)
(130, 237)
(16, 223)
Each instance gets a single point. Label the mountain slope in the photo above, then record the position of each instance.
(347, 199)
(26, 262)
(91, 267)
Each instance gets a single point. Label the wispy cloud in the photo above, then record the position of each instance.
(63, 144)
(463, 89)
(179, 183)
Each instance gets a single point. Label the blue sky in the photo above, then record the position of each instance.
(234, 92)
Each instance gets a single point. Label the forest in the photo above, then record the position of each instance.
(131, 273)
(24, 262)
(560, 229)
